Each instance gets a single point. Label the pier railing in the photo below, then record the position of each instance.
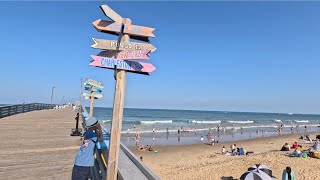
(129, 166)
(22, 108)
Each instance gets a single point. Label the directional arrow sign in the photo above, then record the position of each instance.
(115, 45)
(96, 96)
(89, 88)
(104, 62)
(107, 26)
(86, 95)
(138, 30)
(91, 82)
(126, 54)
(111, 13)
(116, 28)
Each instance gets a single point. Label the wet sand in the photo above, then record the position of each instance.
(202, 161)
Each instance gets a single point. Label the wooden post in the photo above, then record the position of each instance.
(80, 99)
(91, 102)
(117, 115)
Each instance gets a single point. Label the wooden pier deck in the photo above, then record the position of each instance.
(38, 145)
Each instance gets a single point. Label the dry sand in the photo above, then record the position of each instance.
(201, 161)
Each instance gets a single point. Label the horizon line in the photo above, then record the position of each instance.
(212, 110)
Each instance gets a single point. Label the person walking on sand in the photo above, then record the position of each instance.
(288, 174)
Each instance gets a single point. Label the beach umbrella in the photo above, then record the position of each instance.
(261, 167)
(255, 175)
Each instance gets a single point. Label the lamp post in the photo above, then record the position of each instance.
(52, 94)
(62, 100)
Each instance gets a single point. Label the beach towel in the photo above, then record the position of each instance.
(285, 175)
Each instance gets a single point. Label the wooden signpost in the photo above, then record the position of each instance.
(92, 86)
(126, 54)
(120, 56)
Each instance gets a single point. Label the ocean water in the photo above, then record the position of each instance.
(144, 120)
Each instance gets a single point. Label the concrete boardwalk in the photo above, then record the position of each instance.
(38, 145)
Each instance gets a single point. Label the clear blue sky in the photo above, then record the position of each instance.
(235, 56)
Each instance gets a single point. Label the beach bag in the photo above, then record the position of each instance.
(241, 152)
(304, 155)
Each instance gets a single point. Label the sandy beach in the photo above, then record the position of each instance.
(202, 161)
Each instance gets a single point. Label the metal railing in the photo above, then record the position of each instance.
(22, 108)
(129, 166)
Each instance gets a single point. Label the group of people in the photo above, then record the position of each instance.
(147, 148)
(234, 150)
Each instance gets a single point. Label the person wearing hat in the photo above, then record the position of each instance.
(85, 159)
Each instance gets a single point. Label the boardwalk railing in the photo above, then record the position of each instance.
(129, 166)
(21, 108)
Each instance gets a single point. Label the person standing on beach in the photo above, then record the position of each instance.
(250, 134)
(223, 151)
(178, 131)
(233, 148)
(241, 130)
(297, 128)
(137, 138)
(209, 136)
(288, 174)
(84, 159)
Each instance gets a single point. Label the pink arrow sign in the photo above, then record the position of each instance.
(126, 54)
(104, 62)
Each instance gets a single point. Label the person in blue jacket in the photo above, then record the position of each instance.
(85, 157)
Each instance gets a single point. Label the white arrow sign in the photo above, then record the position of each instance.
(96, 96)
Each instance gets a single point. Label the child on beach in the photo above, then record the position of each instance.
(223, 151)
(84, 159)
